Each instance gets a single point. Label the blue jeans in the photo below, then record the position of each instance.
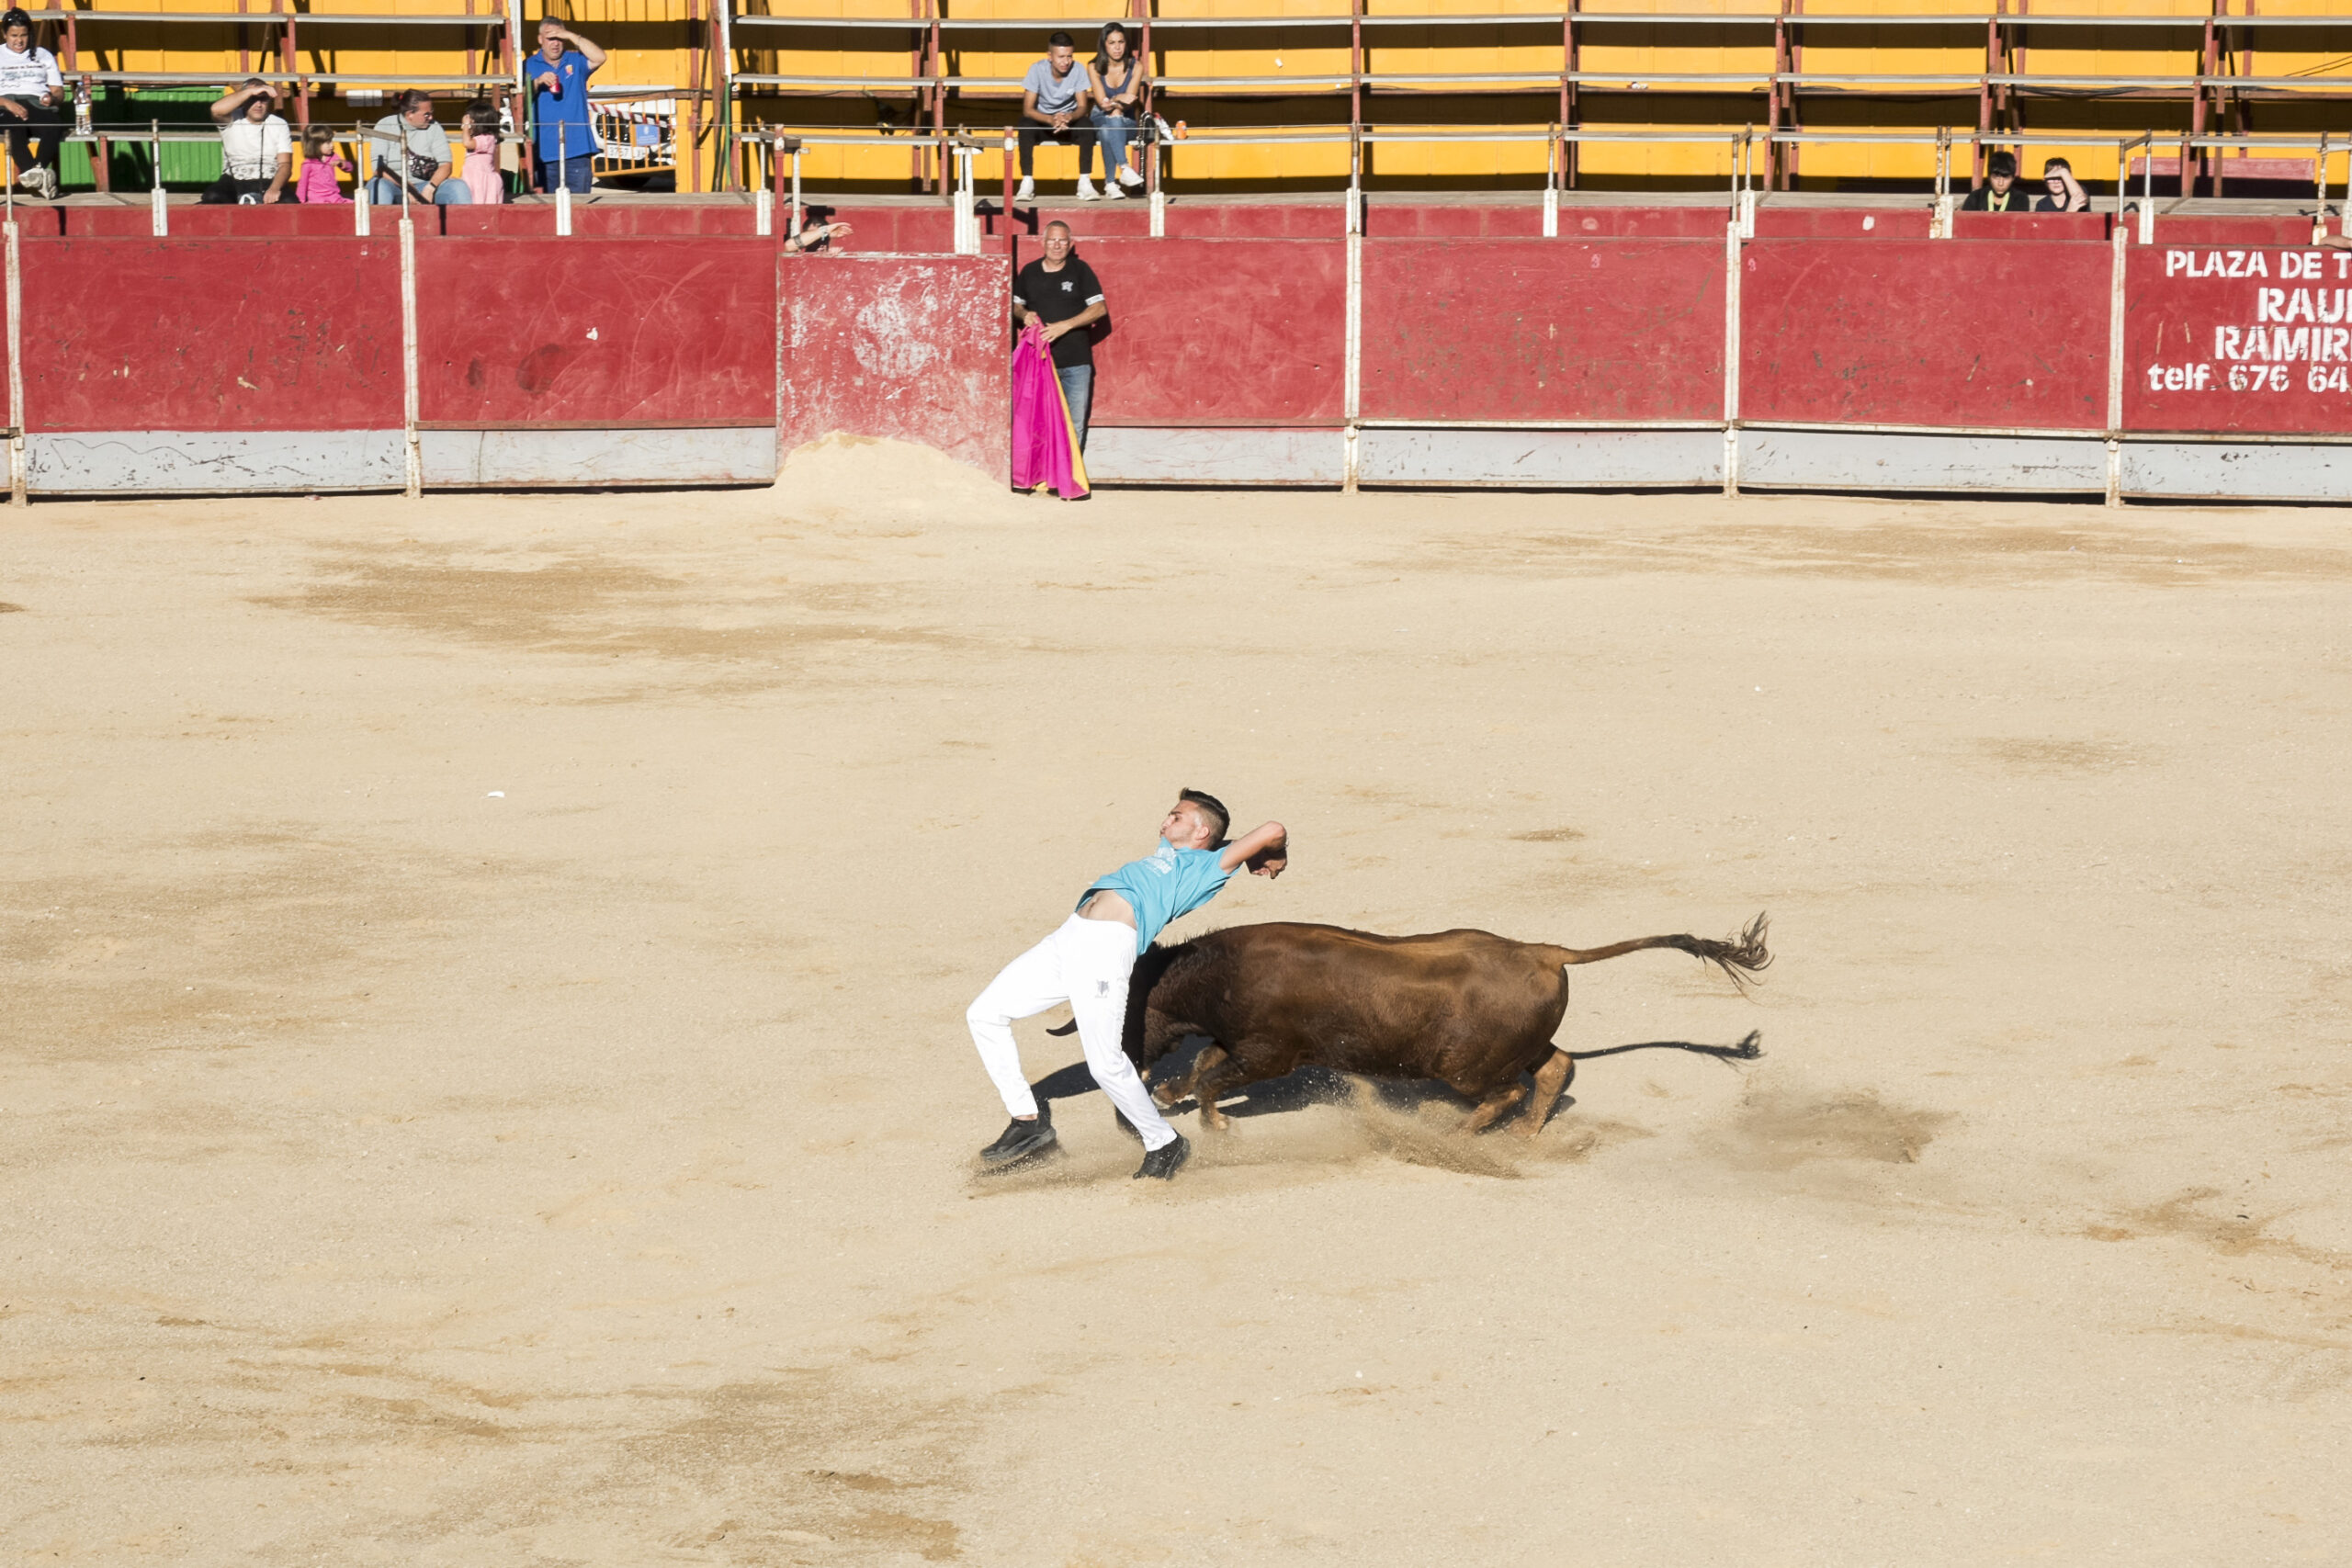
(1114, 130)
(576, 174)
(385, 191)
(1078, 388)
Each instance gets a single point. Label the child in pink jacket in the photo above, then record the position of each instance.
(317, 184)
(481, 174)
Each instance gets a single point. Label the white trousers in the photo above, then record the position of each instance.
(1085, 964)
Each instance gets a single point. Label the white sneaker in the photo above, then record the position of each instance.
(1129, 178)
(1085, 188)
(1113, 192)
(1028, 191)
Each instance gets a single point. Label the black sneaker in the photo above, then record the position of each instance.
(1162, 1163)
(1020, 1140)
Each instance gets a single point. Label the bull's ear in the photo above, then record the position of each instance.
(1069, 1028)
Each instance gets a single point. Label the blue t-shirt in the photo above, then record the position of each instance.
(569, 109)
(1165, 886)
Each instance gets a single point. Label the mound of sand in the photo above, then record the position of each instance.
(868, 479)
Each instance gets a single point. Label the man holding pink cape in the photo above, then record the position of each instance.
(1056, 301)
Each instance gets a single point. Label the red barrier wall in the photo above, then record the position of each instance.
(211, 335)
(1991, 333)
(2237, 338)
(596, 332)
(1543, 328)
(1219, 331)
(915, 349)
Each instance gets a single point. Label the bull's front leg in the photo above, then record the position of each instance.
(1211, 1056)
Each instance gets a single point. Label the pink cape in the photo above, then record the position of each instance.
(1045, 443)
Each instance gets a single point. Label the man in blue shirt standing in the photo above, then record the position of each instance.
(1087, 964)
(567, 140)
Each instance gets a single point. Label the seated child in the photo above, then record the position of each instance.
(481, 174)
(321, 163)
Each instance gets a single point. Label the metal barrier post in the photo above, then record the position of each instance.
(363, 183)
(2319, 170)
(1355, 190)
(2148, 192)
(1744, 169)
(792, 218)
(763, 198)
(1158, 196)
(2115, 370)
(16, 352)
(412, 457)
(161, 214)
(968, 219)
(1940, 224)
(563, 181)
(1731, 357)
(1551, 185)
(1011, 151)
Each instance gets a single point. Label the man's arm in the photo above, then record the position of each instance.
(1265, 849)
(279, 178)
(231, 105)
(1029, 108)
(587, 47)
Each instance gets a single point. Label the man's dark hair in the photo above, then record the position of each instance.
(2001, 163)
(1211, 805)
(2053, 166)
(1059, 40)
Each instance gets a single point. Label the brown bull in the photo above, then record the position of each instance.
(1467, 1007)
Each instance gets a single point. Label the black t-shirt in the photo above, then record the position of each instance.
(1982, 199)
(1058, 296)
(2055, 204)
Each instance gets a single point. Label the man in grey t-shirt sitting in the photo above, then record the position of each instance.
(412, 151)
(1053, 108)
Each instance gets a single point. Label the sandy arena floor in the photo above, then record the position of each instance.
(482, 1077)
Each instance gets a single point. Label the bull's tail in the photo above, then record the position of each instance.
(1741, 958)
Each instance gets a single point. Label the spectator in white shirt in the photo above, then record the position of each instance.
(257, 149)
(32, 97)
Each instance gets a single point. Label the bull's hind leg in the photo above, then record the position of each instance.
(1552, 1077)
(1491, 1110)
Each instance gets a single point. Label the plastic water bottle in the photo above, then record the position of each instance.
(82, 107)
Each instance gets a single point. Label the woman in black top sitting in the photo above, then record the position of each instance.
(1114, 86)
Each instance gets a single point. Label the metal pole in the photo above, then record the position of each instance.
(562, 180)
(2115, 371)
(1552, 146)
(723, 12)
(15, 355)
(162, 221)
(363, 183)
(1010, 152)
(1731, 358)
(1351, 381)
(792, 218)
(412, 457)
(763, 200)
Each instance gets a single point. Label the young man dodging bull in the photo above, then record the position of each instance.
(1086, 963)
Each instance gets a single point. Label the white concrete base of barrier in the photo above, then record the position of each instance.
(1178, 455)
(188, 462)
(1565, 459)
(1842, 459)
(2218, 470)
(593, 459)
